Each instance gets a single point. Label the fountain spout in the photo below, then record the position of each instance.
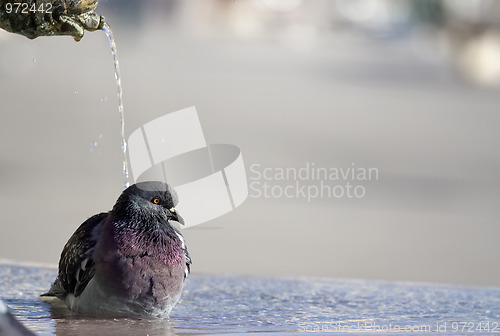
(34, 18)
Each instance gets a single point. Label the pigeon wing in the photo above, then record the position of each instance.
(76, 266)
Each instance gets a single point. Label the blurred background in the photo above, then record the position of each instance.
(407, 87)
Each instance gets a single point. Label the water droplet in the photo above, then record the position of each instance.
(75, 92)
(104, 99)
(93, 145)
(162, 140)
(100, 135)
(124, 149)
(34, 60)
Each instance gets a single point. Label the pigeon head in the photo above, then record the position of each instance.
(151, 198)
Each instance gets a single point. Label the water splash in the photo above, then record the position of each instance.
(112, 44)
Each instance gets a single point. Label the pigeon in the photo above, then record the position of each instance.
(130, 261)
(9, 326)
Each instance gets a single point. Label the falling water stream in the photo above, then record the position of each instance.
(112, 44)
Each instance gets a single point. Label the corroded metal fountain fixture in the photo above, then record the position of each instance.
(34, 18)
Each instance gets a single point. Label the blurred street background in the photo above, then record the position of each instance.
(410, 88)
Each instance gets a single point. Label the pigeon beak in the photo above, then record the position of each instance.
(178, 218)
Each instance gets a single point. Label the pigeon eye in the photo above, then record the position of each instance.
(156, 200)
(172, 210)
